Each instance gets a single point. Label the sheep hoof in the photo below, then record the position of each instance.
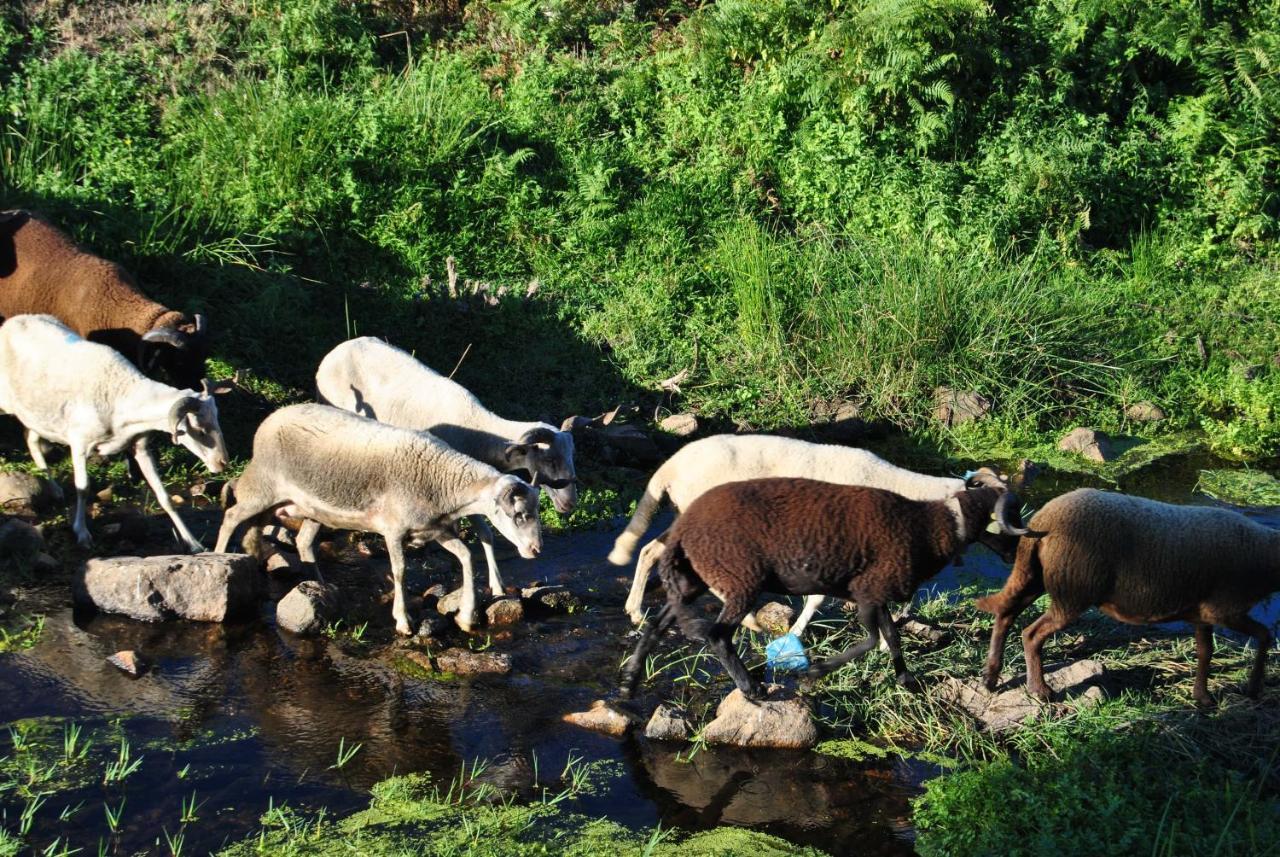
(1204, 702)
(991, 681)
(637, 617)
(909, 682)
(404, 629)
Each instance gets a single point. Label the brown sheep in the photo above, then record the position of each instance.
(1138, 561)
(804, 537)
(42, 271)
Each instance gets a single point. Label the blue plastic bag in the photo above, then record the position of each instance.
(786, 654)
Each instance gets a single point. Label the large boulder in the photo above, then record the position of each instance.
(307, 608)
(668, 723)
(1089, 443)
(207, 587)
(27, 494)
(1009, 706)
(782, 720)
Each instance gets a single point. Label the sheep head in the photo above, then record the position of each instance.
(175, 351)
(547, 455)
(991, 490)
(514, 512)
(193, 422)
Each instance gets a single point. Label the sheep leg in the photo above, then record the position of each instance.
(1034, 635)
(1246, 624)
(467, 612)
(889, 630)
(244, 509)
(485, 533)
(395, 550)
(719, 639)
(811, 605)
(649, 639)
(150, 472)
(80, 474)
(868, 616)
(33, 446)
(305, 543)
(1006, 611)
(649, 554)
(1204, 653)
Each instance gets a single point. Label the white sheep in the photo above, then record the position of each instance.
(67, 390)
(1138, 561)
(369, 377)
(338, 470)
(713, 461)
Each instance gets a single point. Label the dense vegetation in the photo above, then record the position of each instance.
(1068, 207)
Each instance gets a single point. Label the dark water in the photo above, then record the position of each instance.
(247, 717)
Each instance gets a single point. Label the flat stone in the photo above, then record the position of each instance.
(668, 723)
(23, 492)
(505, 611)
(128, 662)
(776, 617)
(1009, 706)
(1090, 443)
(956, 407)
(205, 587)
(780, 721)
(307, 609)
(1144, 412)
(466, 662)
(603, 717)
(550, 599)
(680, 425)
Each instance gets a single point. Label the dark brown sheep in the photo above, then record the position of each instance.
(804, 537)
(43, 271)
(1137, 561)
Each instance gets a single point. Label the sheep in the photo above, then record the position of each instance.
(1138, 561)
(65, 389)
(43, 271)
(716, 460)
(805, 537)
(340, 470)
(369, 377)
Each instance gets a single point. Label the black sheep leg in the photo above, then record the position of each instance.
(719, 639)
(649, 639)
(890, 631)
(869, 617)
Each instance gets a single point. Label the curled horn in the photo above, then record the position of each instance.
(182, 407)
(541, 434)
(166, 336)
(534, 480)
(1006, 515)
(201, 325)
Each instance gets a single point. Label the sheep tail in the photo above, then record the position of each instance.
(1027, 574)
(228, 492)
(625, 546)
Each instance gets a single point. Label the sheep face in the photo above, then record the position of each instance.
(514, 512)
(548, 456)
(177, 354)
(1002, 533)
(195, 426)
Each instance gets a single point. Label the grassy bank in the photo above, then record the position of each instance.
(1068, 209)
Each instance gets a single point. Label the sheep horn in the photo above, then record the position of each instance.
(182, 407)
(166, 336)
(1007, 516)
(200, 323)
(534, 480)
(541, 434)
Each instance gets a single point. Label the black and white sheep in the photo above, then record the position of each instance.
(1138, 561)
(336, 469)
(713, 461)
(369, 377)
(43, 271)
(805, 537)
(65, 389)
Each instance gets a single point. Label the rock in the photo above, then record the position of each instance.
(283, 563)
(467, 662)
(21, 545)
(124, 524)
(1090, 443)
(1009, 706)
(419, 659)
(22, 492)
(451, 603)
(505, 611)
(633, 442)
(207, 587)
(781, 721)
(307, 608)
(1144, 412)
(129, 662)
(550, 599)
(603, 717)
(775, 617)
(955, 407)
(433, 626)
(921, 630)
(668, 723)
(680, 425)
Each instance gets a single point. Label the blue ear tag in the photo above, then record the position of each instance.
(786, 654)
